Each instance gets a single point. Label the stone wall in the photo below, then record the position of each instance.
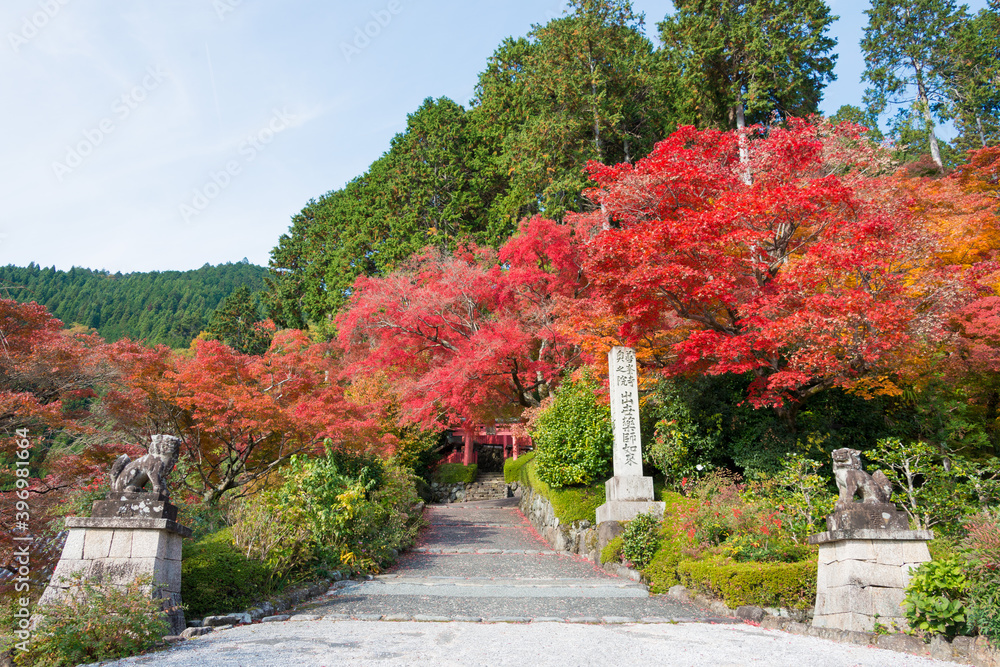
(465, 493)
(579, 537)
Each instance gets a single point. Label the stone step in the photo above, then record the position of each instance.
(398, 585)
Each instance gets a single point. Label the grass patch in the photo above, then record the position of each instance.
(612, 551)
(661, 573)
(512, 469)
(455, 473)
(571, 503)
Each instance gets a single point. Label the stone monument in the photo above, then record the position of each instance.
(628, 493)
(866, 554)
(132, 533)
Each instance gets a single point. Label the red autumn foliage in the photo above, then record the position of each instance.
(472, 334)
(816, 274)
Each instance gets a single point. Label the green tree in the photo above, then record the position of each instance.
(848, 113)
(906, 47)
(238, 324)
(734, 63)
(975, 79)
(578, 88)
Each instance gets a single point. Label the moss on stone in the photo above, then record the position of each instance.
(612, 552)
(570, 503)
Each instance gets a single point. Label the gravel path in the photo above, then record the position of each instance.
(483, 588)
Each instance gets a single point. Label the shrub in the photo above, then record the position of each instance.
(801, 495)
(640, 539)
(573, 437)
(101, 622)
(356, 510)
(217, 577)
(790, 585)
(455, 473)
(983, 547)
(265, 531)
(681, 446)
(935, 598)
(745, 547)
(612, 551)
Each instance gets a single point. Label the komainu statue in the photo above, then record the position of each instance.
(851, 479)
(875, 510)
(128, 476)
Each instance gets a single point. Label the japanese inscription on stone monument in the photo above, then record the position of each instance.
(624, 386)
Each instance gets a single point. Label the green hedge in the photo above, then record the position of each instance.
(455, 473)
(217, 578)
(571, 503)
(790, 585)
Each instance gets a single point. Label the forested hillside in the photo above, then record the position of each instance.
(169, 307)
(591, 86)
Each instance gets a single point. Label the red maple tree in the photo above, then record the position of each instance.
(469, 335)
(813, 275)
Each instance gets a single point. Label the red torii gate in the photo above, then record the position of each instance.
(501, 434)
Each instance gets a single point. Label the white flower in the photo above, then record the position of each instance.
(699, 467)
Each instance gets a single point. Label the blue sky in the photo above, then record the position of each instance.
(153, 135)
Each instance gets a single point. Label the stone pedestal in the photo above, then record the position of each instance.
(864, 572)
(117, 549)
(627, 496)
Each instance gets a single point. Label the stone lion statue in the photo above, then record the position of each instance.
(875, 489)
(131, 476)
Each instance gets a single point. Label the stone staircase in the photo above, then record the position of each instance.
(488, 486)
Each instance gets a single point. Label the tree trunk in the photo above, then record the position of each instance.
(982, 135)
(597, 115)
(935, 151)
(741, 125)
(925, 105)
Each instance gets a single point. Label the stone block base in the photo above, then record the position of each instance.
(109, 551)
(863, 574)
(632, 487)
(627, 496)
(626, 510)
